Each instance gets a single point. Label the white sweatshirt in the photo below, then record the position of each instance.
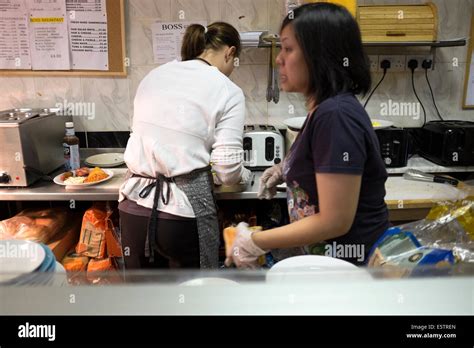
(183, 111)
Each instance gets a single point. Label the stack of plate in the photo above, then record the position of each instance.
(28, 263)
(310, 269)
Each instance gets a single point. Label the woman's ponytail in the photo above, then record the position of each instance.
(194, 42)
(197, 38)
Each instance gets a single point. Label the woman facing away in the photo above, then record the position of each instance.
(187, 115)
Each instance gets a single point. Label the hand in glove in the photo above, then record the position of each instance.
(245, 176)
(244, 252)
(270, 179)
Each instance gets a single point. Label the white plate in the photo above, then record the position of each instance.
(311, 268)
(19, 257)
(105, 160)
(295, 123)
(379, 124)
(59, 181)
(209, 281)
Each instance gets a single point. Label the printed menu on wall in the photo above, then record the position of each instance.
(167, 40)
(48, 30)
(54, 35)
(88, 34)
(14, 42)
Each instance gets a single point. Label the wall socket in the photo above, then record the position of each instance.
(420, 59)
(397, 63)
(374, 63)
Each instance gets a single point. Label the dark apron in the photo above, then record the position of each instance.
(198, 187)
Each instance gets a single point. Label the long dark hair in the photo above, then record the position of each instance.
(219, 34)
(332, 46)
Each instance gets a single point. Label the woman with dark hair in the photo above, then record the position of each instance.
(334, 172)
(186, 115)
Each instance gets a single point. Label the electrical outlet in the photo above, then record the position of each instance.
(420, 59)
(374, 63)
(397, 63)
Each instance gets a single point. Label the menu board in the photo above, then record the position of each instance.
(48, 28)
(14, 40)
(88, 34)
(62, 36)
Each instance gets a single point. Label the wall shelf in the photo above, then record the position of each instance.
(435, 44)
(432, 44)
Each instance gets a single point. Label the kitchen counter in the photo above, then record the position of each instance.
(399, 191)
(420, 163)
(406, 199)
(108, 190)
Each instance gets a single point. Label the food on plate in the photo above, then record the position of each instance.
(74, 180)
(66, 176)
(83, 176)
(95, 175)
(84, 171)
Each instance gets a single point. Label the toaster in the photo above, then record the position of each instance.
(31, 142)
(448, 143)
(394, 145)
(263, 146)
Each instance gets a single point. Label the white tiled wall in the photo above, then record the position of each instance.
(113, 97)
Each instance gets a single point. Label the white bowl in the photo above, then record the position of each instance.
(295, 123)
(313, 268)
(209, 281)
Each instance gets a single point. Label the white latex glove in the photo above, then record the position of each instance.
(244, 252)
(216, 180)
(245, 176)
(270, 179)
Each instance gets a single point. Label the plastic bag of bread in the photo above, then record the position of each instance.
(98, 234)
(102, 271)
(73, 262)
(431, 246)
(38, 225)
(229, 237)
(76, 267)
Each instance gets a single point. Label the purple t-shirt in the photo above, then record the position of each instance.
(339, 138)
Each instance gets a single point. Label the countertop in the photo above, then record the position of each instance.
(401, 193)
(398, 190)
(420, 163)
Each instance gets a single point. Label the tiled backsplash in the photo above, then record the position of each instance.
(113, 97)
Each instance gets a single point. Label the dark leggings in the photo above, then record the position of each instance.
(177, 242)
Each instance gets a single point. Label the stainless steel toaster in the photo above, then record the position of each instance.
(264, 146)
(30, 145)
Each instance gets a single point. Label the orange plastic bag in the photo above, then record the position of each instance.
(102, 271)
(92, 240)
(73, 262)
(98, 238)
